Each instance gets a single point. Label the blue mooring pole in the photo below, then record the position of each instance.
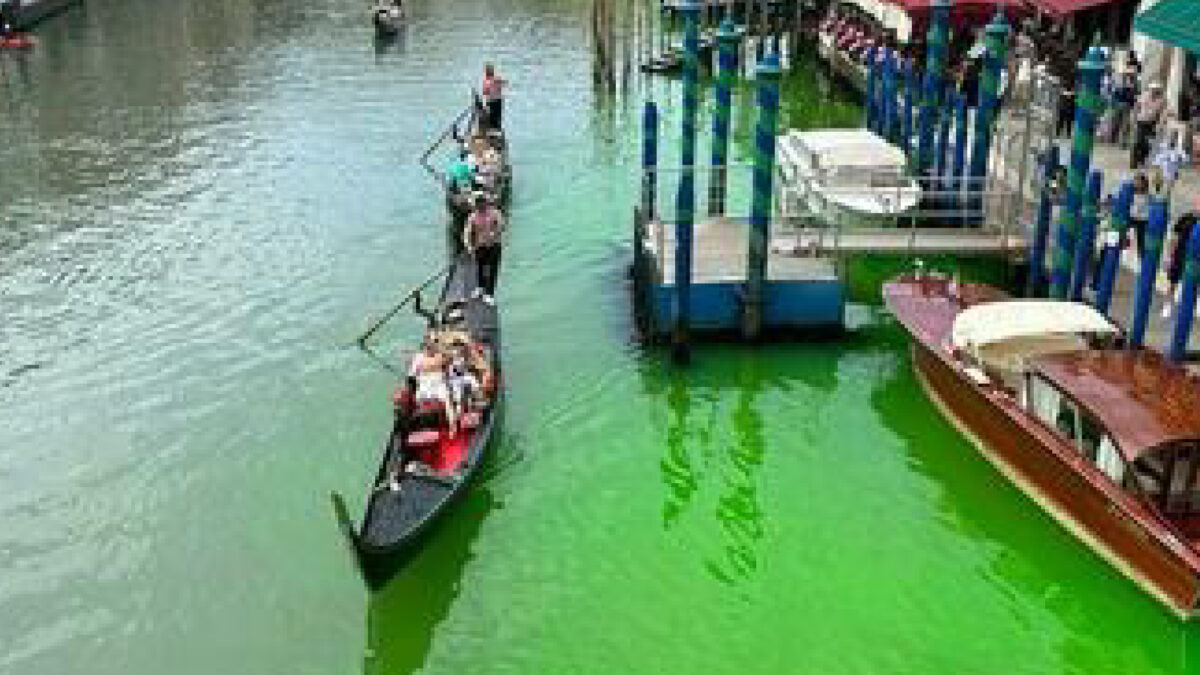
(935, 60)
(727, 44)
(906, 120)
(767, 77)
(1156, 228)
(890, 108)
(1086, 244)
(960, 140)
(1087, 110)
(869, 107)
(996, 48)
(685, 202)
(1186, 311)
(1111, 257)
(1041, 228)
(942, 147)
(649, 159)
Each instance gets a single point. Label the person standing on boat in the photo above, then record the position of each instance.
(492, 90)
(481, 236)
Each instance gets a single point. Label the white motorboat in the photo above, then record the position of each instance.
(851, 178)
(388, 18)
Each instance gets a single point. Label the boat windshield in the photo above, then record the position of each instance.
(1170, 478)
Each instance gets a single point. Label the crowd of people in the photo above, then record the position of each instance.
(452, 373)
(475, 187)
(451, 370)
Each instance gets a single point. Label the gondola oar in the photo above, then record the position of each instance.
(450, 130)
(346, 525)
(408, 297)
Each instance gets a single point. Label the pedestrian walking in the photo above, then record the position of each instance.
(1147, 114)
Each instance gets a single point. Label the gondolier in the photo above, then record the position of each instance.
(481, 237)
(492, 91)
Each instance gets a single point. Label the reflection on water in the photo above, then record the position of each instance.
(392, 44)
(737, 509)
(715, 443)
(403, 617)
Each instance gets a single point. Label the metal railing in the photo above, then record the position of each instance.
(901, 212)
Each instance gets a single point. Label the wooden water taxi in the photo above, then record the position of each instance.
(1106, 440)
(427, 462)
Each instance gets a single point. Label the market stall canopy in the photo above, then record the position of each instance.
(1175, 22)
(1066, 7)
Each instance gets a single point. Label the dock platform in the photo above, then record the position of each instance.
(800, 292)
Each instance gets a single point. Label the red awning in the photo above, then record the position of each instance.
(973, 6)
(1065, 7)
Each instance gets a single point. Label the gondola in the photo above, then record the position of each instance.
(424, 469)
(388, 18)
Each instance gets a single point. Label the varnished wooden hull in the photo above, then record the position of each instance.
(1116, 524)
(1060, 483)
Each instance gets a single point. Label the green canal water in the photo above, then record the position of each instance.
(200, 203)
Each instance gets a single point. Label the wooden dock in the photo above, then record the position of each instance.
(800, 292)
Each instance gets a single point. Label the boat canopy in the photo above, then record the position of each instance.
(833, 149)
(1006, 334)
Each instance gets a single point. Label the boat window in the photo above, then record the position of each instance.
(1108, 461)
(1061, 414)
(1044, 401)
(1090, 434)
(1175, 477)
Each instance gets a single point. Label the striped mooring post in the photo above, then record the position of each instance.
(960, 140)
(943, 145)
(649, 159)
(767, 78)
(685, 201)
(1156, 229)
(1110, 259)
(1087, 109)
(935, 63)
(890, 108)
(870, 100)
(995, 51)
(910, 98)
(727, 45)
(1086, 244)
(1041, 227)
(1186, 311)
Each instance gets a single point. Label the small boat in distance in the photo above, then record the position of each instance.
(428, 462)
(1106, 440)
(387, 17)
(850, 178)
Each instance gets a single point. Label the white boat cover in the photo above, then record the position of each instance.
(858, 148)
(1006, 334)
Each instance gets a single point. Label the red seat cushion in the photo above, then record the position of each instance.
(423, 438)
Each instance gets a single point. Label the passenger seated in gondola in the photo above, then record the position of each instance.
(460, 172)
(464, 386)
(428, 375)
